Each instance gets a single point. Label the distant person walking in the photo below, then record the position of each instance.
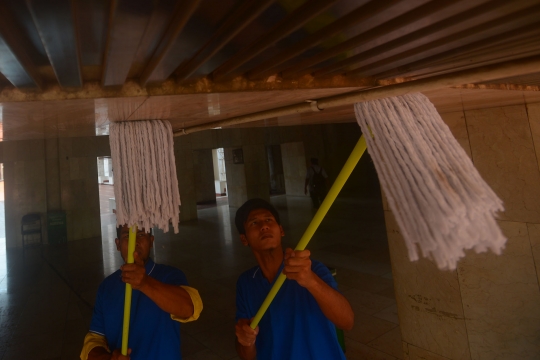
(316, 180)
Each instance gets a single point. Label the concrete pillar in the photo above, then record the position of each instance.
(250, 179)
(236, 177)
(203, 171)
(186, 181)
(25, 185)
(489, 308)
(54, 198)
(257, 171)
(294, 167)
(79, 186)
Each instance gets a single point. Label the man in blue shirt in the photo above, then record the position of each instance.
(299, 324)
(160, 300)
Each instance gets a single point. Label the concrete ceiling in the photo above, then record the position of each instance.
(68, 67)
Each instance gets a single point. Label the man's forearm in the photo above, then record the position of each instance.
(333, 305)
(170, 298)
(99, 353)
(246, 352)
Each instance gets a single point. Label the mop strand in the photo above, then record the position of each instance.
(146, 187)
(440, 202)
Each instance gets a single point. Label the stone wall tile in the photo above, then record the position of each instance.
(51, 148)
(501, 299)
(534, 237)
(271, 136)
(203, 173)
(503, 153)
(458, 127)
(533, 111)
(19, 172)
(416, 353)
(83, 146)
(64, 148)
(531, 97)
(429, 301)
(475, 99)
(10, 151)
(203, 140)
(29, 150)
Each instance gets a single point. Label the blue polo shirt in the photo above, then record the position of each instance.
(294, 326)
(152, 332)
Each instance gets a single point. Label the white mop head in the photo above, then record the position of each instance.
(145, 183)
(441, 203)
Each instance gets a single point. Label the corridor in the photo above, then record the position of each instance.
(46, 299)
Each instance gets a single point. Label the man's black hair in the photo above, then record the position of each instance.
(119, 231)
(243, 212)
(315, 161)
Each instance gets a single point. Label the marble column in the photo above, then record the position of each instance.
(204, 176)
(186, 181)
(489, 308)
(77, 161)
(250, 179)
(25, 186)
(294, 167)
(236, 177)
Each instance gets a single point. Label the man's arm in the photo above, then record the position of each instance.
(245, 340)
(333, 305)
(99, 353)
(95, 348)
(170, 298)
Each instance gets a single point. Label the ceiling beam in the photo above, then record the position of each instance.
(417, 35)
(248, 11)
(163, 62)
(128, 20)
(363, 13)
(291, 23)
(15, 63)
(445, 42)
(377, 32)
(132, 88)
(531, 31)
(55, 22)
(498, 86)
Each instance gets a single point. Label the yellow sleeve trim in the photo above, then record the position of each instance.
(92, 340)
(197, 305)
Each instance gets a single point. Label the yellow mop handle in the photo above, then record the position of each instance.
(353, 159)
(127, 299)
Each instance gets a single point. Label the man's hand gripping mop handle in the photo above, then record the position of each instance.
(353, 159)
(127, 299)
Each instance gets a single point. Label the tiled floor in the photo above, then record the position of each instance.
(46, 300)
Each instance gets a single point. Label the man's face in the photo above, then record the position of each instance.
(143, 243)
(262, 231)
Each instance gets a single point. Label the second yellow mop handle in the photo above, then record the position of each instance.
(344, 174)
(127, 298)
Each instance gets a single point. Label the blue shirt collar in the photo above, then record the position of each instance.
(258, 273)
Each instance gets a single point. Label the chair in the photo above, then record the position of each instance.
(31, 226)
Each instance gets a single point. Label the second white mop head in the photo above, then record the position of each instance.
(440, 202)
(146, 186)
